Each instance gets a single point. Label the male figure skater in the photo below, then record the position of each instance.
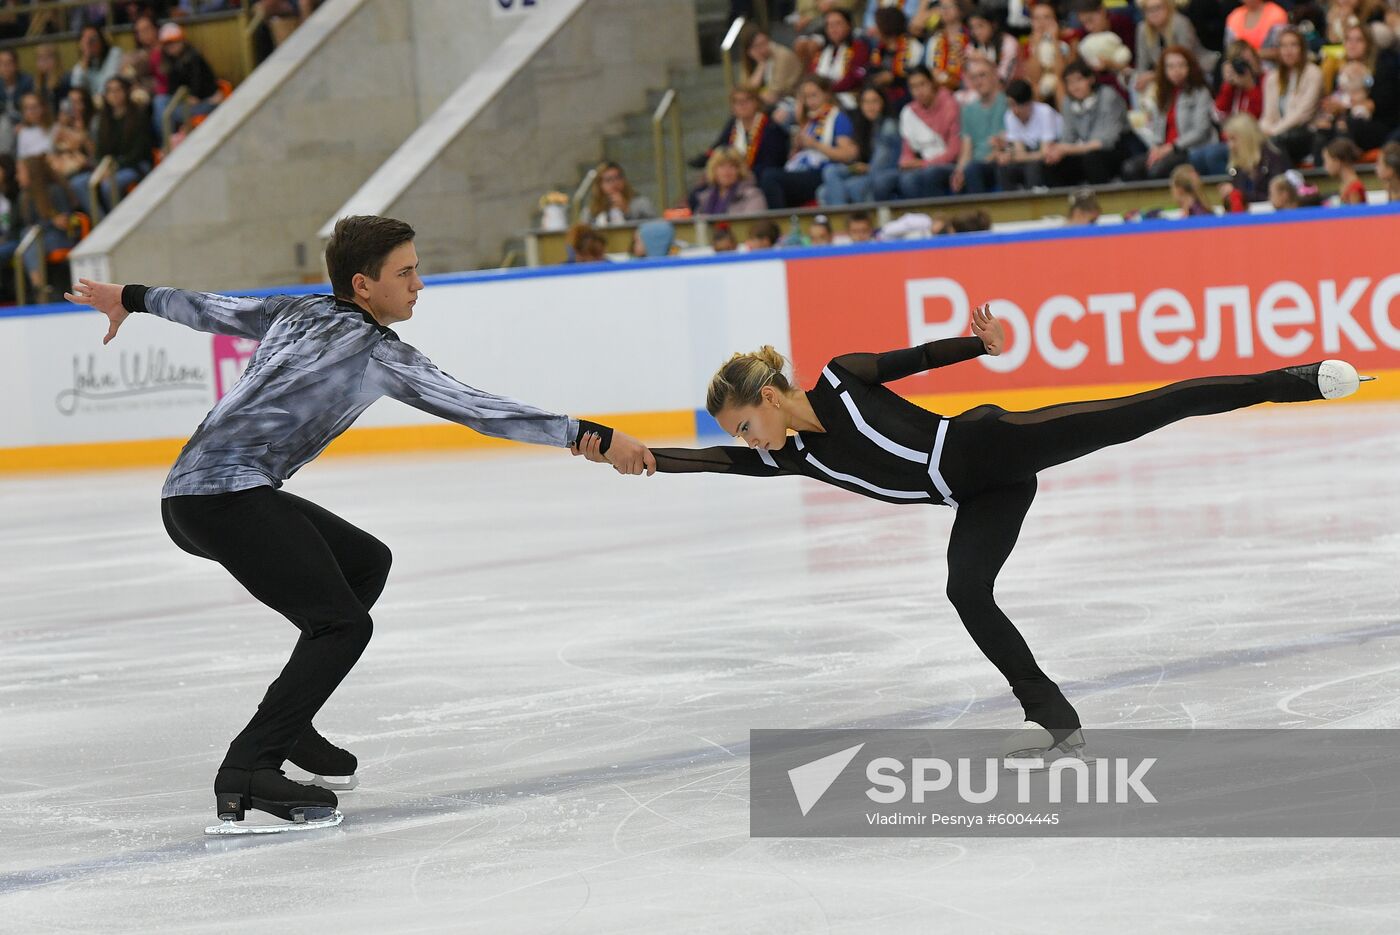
(322, 360)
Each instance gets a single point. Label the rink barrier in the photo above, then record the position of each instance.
(652, 334)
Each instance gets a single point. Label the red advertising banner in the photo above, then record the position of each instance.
(1141, 305)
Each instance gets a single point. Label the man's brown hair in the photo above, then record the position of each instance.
(361, 244)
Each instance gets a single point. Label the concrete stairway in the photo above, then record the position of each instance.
(703, 111)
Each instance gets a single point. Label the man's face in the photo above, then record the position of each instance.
(8, 66)
(859, 231)
(1078, 86)
(1023, 111)
(743, 107)
(979, 76)
(391, 297)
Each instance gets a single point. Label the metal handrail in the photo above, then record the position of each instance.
(108, 166)
(726, 53)
(576, 202)
(667, 107)
(250, 25)
(167, 119)
(21, 275)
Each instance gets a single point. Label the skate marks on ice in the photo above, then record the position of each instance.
(1220, 576)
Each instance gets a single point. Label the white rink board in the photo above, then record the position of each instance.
(588, 343)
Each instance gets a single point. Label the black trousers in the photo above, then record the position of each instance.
(309, 565)
(990, 463)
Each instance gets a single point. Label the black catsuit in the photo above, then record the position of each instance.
(983, 462)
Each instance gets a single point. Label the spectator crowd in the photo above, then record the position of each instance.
(851, 102)
(61, 120)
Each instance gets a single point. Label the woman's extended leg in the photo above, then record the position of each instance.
(984, 532)
(1013, 446)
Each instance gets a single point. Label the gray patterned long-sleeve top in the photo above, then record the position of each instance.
(322, 361)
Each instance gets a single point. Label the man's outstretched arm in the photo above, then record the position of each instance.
(202, 311)
(406, 374)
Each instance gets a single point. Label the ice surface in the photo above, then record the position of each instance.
(552, 719)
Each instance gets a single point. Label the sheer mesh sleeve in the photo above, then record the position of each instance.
(723, 459)
(907, 361)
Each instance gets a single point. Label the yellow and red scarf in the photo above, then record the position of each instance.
(739, 138)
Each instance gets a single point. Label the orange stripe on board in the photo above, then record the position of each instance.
(387, 440)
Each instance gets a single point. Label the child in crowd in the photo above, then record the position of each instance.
(1188, 192)
(1282, 193)
(1339, 158)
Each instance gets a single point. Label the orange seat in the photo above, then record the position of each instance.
(1370, 156)
(79, 225)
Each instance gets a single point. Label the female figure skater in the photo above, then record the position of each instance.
(323, 359)
(852, 432)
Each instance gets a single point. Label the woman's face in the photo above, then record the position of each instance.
(949, 12)
(872, 104)
(837, 29)
(761, 426)
(761, 48)
(612, 180)
(46, 61)
(1177, 70)
(31, 111)
(77, 104)
(813, 98)
(1043, 19)
(726, 174)
(90, 44)
(1354, 44)
(1290, 50)
(115, 95)
(1329, 163)
(1157, 13)
(145, 32)
(981, 28)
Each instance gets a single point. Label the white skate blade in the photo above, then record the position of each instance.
(1033, 748)
(1049, 759)
(278, 826)
(336, 783)
(1336, 379)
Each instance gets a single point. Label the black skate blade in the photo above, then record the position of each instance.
(303, 819)
(1365, 379)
